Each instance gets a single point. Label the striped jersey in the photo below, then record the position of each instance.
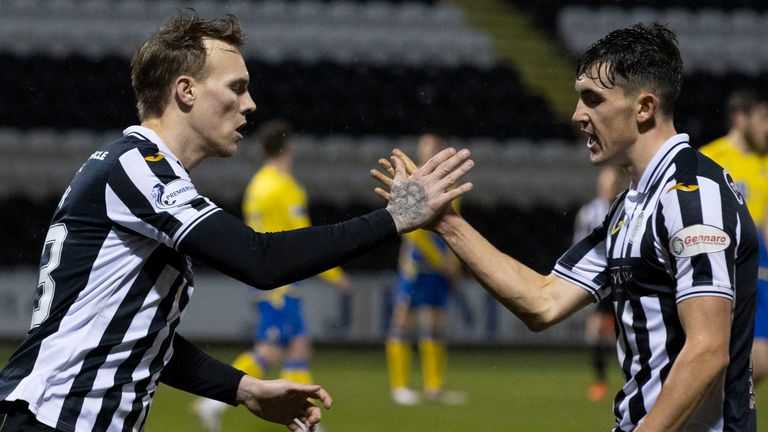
(111, 291)
(683, 231)
(274, 201)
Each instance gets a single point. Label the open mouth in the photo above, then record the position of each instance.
(591, 141)
(240, 130)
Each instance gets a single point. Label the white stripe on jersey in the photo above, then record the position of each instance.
(79, 333)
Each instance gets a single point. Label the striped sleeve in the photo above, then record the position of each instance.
(585, 263)
(154, 198)
(699, 234)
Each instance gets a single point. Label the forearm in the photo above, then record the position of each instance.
(193, 371)
(694, 374)
(269, 260)
(528, 294)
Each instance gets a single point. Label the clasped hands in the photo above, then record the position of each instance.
(417, 195)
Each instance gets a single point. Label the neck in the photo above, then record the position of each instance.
(282, 163)
(737, 139)
(646, 147)
(181, 145)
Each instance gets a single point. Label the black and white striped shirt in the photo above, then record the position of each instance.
(111, 291)
(115, 279)
(682, 232)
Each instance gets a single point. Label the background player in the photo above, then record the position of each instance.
(274, 201)
(743, 152)
(428, 271)
(599, 330)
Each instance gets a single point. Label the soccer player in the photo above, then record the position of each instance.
(428, 271)
(743, 152)
(599, 331)
(274, 201)
(115, 273)
(677, 252)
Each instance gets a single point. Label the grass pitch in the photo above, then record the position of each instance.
(509, 390)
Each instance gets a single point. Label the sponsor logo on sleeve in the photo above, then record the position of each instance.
(698, 239)
(155, 158)
(173, 194)
(683, 187)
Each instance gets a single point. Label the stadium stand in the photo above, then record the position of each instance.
(355, 78)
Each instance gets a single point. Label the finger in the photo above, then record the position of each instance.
(454, 193)
(410, 166)
(382, 193)
(454, 164)
(383, 178)
(387, 165)
(300, 426)
(400, 170)
(435, 161)
(324, 397)
(455, 174)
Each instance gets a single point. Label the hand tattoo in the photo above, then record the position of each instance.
(408, 201)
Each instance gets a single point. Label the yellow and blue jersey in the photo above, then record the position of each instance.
(274, 201)
(750, 172)
(427, 269)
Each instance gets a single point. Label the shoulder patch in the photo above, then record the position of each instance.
(173, 194)
(698, 239)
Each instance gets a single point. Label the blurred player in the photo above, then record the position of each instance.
(428, 271)
(116, 274)
(599, 332)
(274, 201)
(677, 252)
(744, 154)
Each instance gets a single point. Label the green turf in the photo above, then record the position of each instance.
(509, 390)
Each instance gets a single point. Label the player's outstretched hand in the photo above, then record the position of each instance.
(283, 402)
(417, 194)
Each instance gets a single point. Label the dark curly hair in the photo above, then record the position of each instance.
(645, 56)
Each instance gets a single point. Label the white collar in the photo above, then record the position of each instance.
(659, 161)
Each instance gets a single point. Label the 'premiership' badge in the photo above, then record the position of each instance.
(173, 194)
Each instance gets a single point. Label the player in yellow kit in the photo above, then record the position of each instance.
(428, 271)
(744, 154)
(274, 201)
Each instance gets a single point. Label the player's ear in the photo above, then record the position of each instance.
(647, 106)
(184, 91)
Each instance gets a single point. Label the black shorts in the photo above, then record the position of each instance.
(15, 417)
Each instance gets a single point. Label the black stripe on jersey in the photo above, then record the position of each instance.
(675, 334)
(113, 335)
(636, 404)
(199, 203)
(691, 214)
(161, 168)
(126, 190)
(123, 374)
(155, 368)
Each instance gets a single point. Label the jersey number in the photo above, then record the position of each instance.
(50, 260)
